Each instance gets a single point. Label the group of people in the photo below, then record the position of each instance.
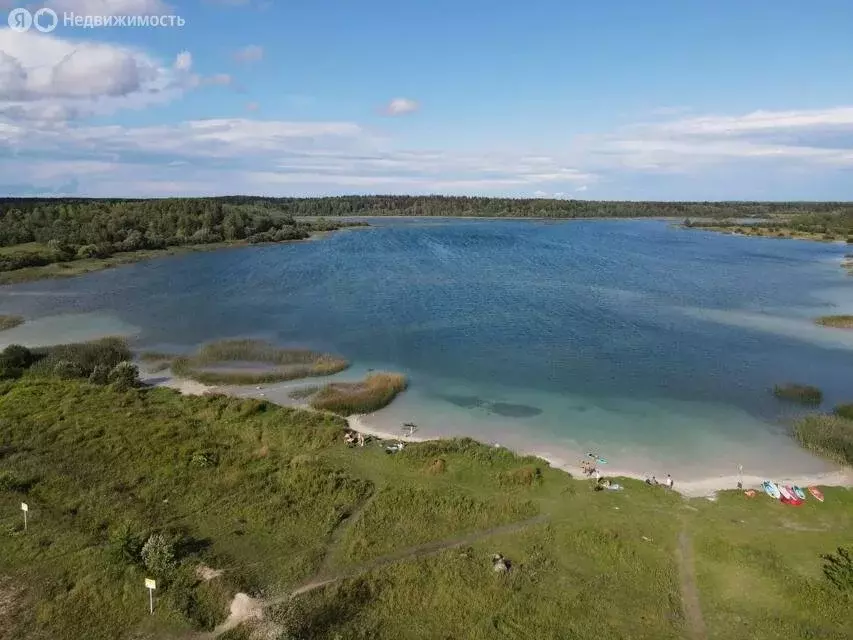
(654, 481)
(590, 470)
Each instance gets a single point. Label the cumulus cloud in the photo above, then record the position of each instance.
(401, 106)
(250, 53)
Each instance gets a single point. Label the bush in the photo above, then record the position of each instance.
(802, 393)
(838, 569)
(126, 544)
(87, 355)
(68, 370)
(158, 556)
(124, 376)
(16, 357)
(522, 477)
(844, 411)
(100, 375)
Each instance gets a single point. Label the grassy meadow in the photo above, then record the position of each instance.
(274, 499)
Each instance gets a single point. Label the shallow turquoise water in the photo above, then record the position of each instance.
(652, 344)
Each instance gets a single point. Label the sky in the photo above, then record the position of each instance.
(617, 100)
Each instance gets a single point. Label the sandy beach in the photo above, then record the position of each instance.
(690, 487)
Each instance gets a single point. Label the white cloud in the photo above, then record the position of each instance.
(401, 106)
(583, 187)
(251, 53)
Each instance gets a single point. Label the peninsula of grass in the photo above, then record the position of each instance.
(830, 436)
(837, 322)
(376, 391)
(275, 499)
(245, 362)
(801, 393)
(10, 322)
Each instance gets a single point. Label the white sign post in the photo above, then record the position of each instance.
(25, 508)
(150, 585)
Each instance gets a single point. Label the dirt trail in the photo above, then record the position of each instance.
(411, 553)
(245, 608)
(689, 590)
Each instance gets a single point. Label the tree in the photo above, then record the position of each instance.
(124, 376)
(17, 357)
(158, 556)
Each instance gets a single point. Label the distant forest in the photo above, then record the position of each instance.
(65, 229)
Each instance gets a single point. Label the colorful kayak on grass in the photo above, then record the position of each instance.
(786, 492)
(798, 491)
(816, 493)
(794, 502)
(771, 489)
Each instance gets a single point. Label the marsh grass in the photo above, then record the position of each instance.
(801, 393)
(376, 391)
(837, 322)
(828, 435)
(10, 322)
(286, 364)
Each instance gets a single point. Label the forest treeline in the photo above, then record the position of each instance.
(66, 229)
(71, 229)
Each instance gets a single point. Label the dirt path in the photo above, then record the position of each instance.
(689, 591)
(410, 553)
(245, 608)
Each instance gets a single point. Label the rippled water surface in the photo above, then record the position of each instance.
(653, 344)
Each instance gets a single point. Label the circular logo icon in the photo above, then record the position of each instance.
(52, 20)
(20, 20)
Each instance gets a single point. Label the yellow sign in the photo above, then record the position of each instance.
(25, 506)
(150, 584)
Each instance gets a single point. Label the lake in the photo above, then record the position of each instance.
(653, 345)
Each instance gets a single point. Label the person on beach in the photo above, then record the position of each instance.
(668, 481)
(360, 439)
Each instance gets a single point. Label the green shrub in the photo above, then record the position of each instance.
(838, 569)
(124, 376)
(844, 411)
(802, 393)
(126, 543)
(100, 375)
(521, 477)
(68, 370)
(158, 556)
(16, 357)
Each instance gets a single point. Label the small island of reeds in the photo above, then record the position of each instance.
(243, 362)
(376, 391)
(837, 322)
(10, 322)
(801, 393)
(830, 436)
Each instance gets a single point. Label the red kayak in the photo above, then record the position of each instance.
(794, 502)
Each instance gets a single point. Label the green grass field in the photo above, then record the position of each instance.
(274, 498)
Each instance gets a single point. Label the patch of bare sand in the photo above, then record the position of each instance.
(244, 608)
(207, 573)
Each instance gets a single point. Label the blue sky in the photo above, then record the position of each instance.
(617, 100)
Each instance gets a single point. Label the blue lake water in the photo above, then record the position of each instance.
(655, 345)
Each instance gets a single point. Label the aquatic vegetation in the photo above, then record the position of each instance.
(828, 435)
(376, 391)
(802, 393)
(10, 322)
(838, 322)
(272, 363)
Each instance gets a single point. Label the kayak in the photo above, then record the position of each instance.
(798, 491)
(787, 493)
(816, 493)
(794, 502)
(771, 489)
(597, 459)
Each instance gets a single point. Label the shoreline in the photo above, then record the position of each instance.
(702, 487)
